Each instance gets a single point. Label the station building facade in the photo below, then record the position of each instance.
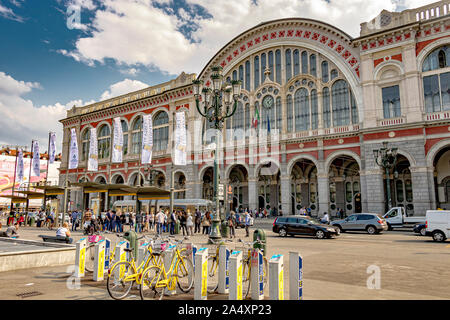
(323, 100)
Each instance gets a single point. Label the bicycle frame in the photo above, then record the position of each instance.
(169, 279)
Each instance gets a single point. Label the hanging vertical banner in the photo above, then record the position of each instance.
(20, 168)
(93, 151)
(52, 147)
(36, 162)
(180, 140)
(118, 141)
(147, 140)
(73, 153)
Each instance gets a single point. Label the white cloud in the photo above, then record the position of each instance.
(9, 14)
(123, 87)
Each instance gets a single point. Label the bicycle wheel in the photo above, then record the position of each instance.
(117, 287)
(213, 275)
(246, 278)
(185, 275)
(90, 256)
(147, 288)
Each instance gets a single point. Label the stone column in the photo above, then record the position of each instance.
(324, 193)
(430, 175)
(375, 191)
(421, 190)
(253, 193)
(286, 194)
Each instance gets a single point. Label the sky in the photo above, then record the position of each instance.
(55, 54)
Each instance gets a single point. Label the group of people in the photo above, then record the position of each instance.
(42, 218)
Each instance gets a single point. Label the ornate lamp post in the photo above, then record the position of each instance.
(386, 158)
(219, 103)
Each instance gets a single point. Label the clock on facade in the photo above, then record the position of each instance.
(267, 102)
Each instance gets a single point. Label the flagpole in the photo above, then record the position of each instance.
(46, 172)
(29, 178)
(14, 182)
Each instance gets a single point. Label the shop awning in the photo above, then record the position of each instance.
(149, 193)
(15, 199)
(51, 190)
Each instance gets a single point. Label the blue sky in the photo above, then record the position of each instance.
(123, 45)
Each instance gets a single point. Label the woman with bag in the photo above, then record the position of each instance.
(190, 224)
(206, 223)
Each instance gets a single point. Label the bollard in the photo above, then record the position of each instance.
(80, 259)
(99, 260)
(108, 262)
(191, 250)
(236, 271)
(224, 272)
(295, 276)
(260, 234)
(276, 288)
(201, 274)
(168, 255)
(257, 275)
(142, 251)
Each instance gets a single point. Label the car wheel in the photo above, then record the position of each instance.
(340, 228)
(282, 232)
(371, 230)
(438, 236)
(320, 234)
(389, 227)
(423, 232)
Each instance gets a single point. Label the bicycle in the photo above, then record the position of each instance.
(247, 268)
(123, 274)
(156, 279)
(213, 265)
(90, 251)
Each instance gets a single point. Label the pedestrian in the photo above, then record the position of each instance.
(247, 223)
(190, 224)
(325, 218)
(74, 218)
(183, 225)
(151, 220)
(118, 220)
(197, 220)
(206, 223)
(21, 220)
(63, 232)
(172, 221)
(232, 224)
(160, 217)
(138, 222)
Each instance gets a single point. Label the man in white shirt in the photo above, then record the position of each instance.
(160, 217)
(326, 218)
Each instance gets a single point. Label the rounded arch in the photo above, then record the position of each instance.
(158, 110)
(202, 171)
(265, 161)
(133, 119)
(100, 126)
(100, 176)
(85, 128)
(116, 176)
(428, 49)
(234, 164)
(434, 150)
(175, 171)
(132, 176)
(338, 153)
(292, 162)
(408, 156)
(384, 66)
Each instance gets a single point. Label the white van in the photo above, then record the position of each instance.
(438, 224)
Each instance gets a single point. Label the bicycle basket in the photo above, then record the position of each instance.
(159, 246)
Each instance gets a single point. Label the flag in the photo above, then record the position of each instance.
(118, 141)
(268, 124)
(36, 161)
(93, 151)
(147, 139)
(52, 151)
(256, 117)
(20, 168)
(73, 154)
(180, 140)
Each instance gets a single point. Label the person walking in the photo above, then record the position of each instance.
(160, 217)
(151, 220)
(190, 224)
(232, 224)
(138, 219)
(197, 220)
(247, 223)
(183, 221)
(326, 218)
(119, 227)
(206, 223)
(172, 221)
(74, 220)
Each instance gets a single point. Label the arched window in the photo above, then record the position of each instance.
(241, 75)
(256, 75)
(279, 114)
(326, 108)
(288, 65)
(278, 66)
(247, 117)
(334, 74)
(125, 136)
(136, 135)
(263, 67)
(85, 144)
(301, 108)
(290, 113)
(271, 65)
(238, 120)
(436, 82)
(160, 131)
(325, 71)
(304, 62)
(341, 103)
(355, 118)
(296, 62)
(209, 127)
(104, 142)
(234, 75)
(312, 65)
(314, 110)
(247, 75)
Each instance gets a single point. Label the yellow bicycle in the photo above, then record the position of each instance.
(247, 264)
(124, 274)
(155, 279)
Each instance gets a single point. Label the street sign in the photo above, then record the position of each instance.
(221, 192)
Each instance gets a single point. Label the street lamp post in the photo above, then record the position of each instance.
(222, 100)
(386, 158)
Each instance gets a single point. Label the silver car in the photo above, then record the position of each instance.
(370, 222)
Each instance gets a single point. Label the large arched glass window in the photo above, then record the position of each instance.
(278, 66)
(256, 74)
(238, 120)
(234, 75)
(209, 129)
(325, 71)
(247, 116)
(326, 108)
(241, 75)
(271, 65)
(136, 135)
(290, 113)
(288, 65)
(341, 103)
(104, 142)
(314, 110)
(279, 114)
(296, 62)
(263, 67)
(85, 144)
(304, 62)
(125, 136)
(436, 81)
(301, 108)
(160, 131)
(247, 75)
(313, 65)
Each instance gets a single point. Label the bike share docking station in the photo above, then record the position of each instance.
(276, 277)
(224, 272)
(295, 276)
(80, 258)
(236, 272)
(142, 251)
(257, 275)
(168, 255)
(201, 274)
(191, 250)
(99, 260)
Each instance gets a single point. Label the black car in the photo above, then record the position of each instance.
(420, 228)
(303, 225)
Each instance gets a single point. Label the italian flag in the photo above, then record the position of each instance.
(256, 118)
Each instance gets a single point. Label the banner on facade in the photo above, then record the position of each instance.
(180, 140)
(147, 140)
(118, 141)
(20, 167)
(93, 151)
(52, 147)
(36, 166)
(73, 153)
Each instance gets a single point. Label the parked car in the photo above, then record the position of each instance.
(370, 222)
(420, 228)
(293, 225)
(438, 224)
